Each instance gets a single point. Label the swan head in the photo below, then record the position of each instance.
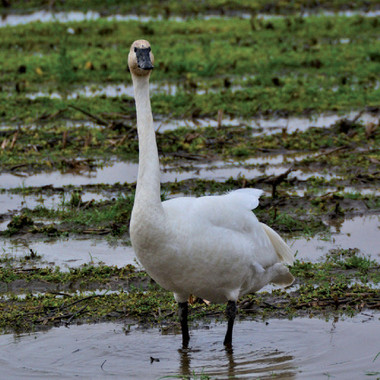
(140, 58)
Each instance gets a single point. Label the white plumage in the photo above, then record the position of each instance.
(212, 247)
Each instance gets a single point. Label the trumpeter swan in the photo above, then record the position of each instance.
(212, 247)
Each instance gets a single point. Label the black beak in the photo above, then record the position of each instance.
(143, 59)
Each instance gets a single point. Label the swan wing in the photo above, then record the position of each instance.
(218, 241)
(227, 221)
(230, 211)
(248, 198)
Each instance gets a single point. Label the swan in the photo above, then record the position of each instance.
(212, 247)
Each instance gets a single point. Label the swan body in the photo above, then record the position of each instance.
(212, 247)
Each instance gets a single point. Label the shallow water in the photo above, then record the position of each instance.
(70, 253)
(301, 124)
(10, 202)
(260, 125)
(347, 190)
(116, 172)
(126, 172)
(263, 125)
(110, 90)
(301, 348)
(359, 232)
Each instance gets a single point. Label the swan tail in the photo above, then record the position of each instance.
(283, 277)
(282, 249)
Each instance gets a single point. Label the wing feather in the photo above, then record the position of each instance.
(248, 198)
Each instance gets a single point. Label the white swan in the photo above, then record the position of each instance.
(212, 247)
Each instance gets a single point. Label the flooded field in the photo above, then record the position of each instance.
(300, 122)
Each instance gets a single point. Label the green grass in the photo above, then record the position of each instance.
(341, 266)
(325, 287)
(182, 7)
(95, 217)
(294, 64)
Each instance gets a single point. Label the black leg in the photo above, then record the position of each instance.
(230, 314)
(183, 320)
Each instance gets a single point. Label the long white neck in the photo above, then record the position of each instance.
(148, 179)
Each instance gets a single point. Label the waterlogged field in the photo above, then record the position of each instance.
(244, 94)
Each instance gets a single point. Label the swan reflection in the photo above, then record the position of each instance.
(227, 364)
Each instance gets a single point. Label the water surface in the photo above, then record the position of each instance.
(358, 232)
(70, 252)
(126, 172)
(301, 348)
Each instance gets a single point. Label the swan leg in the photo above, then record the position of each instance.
(230, 314)
(183, 311)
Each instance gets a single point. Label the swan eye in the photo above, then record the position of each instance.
(149, 49)
(135, 49)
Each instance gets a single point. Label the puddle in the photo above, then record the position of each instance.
(298, 349)
(365, 191)
(45, 16)
(71, 16)
(304, 175)
(326, 190)
(273, 159)
(110, 90)
(269, 126)
(172, 124)
(359, 232)
(114, 173)
(66, 123)
(114, 90)
(301, 124)
(218, 171)
(9, 202)
(221, 171)
(260, 125)
(76, 16)
(70, 253)
(126, 172)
